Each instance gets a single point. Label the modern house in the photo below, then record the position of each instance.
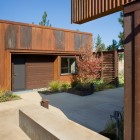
(31, 56)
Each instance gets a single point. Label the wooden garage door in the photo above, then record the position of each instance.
(39, 71)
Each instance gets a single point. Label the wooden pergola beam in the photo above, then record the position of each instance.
(87, 10)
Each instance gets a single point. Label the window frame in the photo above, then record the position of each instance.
(70, 57)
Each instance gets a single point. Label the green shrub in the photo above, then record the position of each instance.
(121, 80)
(79, 85)
(109, 86)
(65, 86)
(74, 83)
(3, 92)
(5, 95)
(55, 86)
(99, 84)
(85, 85)
(9, 97)
(110, 128)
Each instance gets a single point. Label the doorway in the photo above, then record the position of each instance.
(18, 73)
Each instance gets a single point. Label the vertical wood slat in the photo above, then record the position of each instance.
(87, 9)
(93, 9)
(103, 6)
(77, 10)
(106, 3)
(96, 9)
(90, 9)
(116, 67)
(99, 6)
(80, 8)
(110, 4)
(82, 13)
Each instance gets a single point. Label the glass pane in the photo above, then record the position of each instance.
(72, 65)
(64, 65)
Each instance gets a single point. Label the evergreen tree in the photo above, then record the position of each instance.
(45, 21)
(113, 46)
(121, 34)
(99, 45)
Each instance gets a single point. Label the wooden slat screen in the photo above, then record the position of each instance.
(109, 73)
(86, 10)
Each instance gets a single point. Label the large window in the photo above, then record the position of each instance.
(68, 65)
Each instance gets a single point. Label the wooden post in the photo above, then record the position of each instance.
(102, 57)
(132, 71)
(116, 67)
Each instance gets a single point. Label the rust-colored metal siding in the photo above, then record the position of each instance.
(5, 63)
(39, 71)
(87, 10)
(30, 37)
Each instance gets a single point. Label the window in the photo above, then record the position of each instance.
(68, 65)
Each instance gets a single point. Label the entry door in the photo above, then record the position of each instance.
(18, 73)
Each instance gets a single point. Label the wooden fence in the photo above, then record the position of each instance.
(109, 73)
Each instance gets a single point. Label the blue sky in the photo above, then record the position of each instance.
(59, 14)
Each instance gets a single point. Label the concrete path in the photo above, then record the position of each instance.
(91, 111)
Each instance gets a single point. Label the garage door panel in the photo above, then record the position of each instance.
(39, 71)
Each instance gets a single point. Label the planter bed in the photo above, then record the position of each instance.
(47, 92)
(80, 92)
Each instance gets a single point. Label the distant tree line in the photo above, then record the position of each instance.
(99, 46)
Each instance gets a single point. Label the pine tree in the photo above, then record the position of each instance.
(121, 34)
(99, 45)
(113, 46)
(45, 21)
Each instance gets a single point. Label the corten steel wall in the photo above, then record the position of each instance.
(5, 66)
(87, 10)
(30, 37)
(21, 38)
(132, 71)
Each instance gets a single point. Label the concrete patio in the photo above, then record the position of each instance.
(91, 111)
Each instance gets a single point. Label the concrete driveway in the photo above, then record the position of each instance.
(91, 111)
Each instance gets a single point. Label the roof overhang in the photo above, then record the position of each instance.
(86, 10)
